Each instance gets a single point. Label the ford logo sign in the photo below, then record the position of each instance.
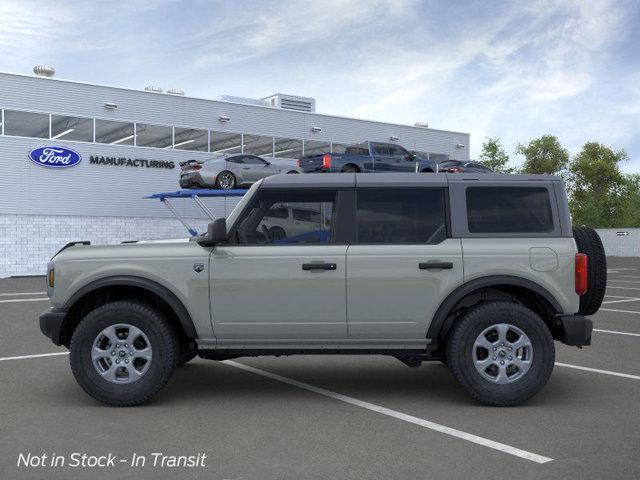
(56, 157)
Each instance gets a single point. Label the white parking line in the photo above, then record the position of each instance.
(616, 332)
(21, 293)
(619, 311)
(597, 370)
(485, 442)
(14, 300)
(38, 355)
(621, 288)
(629, 299)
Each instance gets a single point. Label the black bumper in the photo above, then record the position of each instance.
(575, 330)
(51, 323)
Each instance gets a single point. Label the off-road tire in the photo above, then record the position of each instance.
(186, 354)
(589, 243)
(459, 353)
(164, 344)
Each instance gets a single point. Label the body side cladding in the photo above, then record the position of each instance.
(477, 284)
(151, 286)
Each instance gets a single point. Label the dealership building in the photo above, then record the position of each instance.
(127, 144)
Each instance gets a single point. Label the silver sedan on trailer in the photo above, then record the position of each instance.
(231, 171)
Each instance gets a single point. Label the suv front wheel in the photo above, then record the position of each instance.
(123, 353)
(501, 352)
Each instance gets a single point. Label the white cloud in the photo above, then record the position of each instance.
(30, 30)
(275, 26)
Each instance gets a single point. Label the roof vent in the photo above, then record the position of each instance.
(292, 102)
(44, 71)
(422, 124)
(175, 91)
(153, 88)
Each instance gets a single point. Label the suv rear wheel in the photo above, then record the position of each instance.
(123, 353)
(501, 352)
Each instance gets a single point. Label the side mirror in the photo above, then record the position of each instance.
(267, 164)
(217, 231)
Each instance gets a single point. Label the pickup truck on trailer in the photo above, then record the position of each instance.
(480, 271)
(369, 157)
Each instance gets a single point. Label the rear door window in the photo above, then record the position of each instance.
(393, 216)
(509, 210)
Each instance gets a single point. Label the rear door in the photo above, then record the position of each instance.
(402, 263)
(383, 162)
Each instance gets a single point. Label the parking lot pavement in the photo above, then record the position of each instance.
(343, 417)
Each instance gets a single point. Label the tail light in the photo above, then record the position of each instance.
(454, 170)
(298, 162)
(581, 273)
(326, 161)
(196, 167)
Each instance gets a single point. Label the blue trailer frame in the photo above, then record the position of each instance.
(195, 194)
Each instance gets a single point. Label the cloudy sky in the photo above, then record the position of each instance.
(515, 70)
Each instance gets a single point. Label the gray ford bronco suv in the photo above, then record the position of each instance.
(479, 271)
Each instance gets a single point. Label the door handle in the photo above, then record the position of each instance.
(319, 266)
(435, 265)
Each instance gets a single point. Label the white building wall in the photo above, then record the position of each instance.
(27, 242)
(617, 244)
(41, 209)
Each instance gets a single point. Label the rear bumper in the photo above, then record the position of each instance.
(575, 330)
(191, 180)
(51, 322)
(314, 169)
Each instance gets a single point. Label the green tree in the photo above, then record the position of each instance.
(544, 155)
(599, 190)
(631, 215)
(494, 156)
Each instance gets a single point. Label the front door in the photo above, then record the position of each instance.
(281, 278)
(402, 161)
(402, 263)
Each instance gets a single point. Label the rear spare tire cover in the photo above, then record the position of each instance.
(589, 243)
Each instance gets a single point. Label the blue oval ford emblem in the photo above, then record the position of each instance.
(57, 157)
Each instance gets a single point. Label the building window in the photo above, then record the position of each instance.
(26, 124)
(157, 136)
(114, 133)
(224, 142)
(436, 157)
(312, 147)
(190, 139)
(258, 145)
(287, 148)
(72, 128)
(338, 147)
